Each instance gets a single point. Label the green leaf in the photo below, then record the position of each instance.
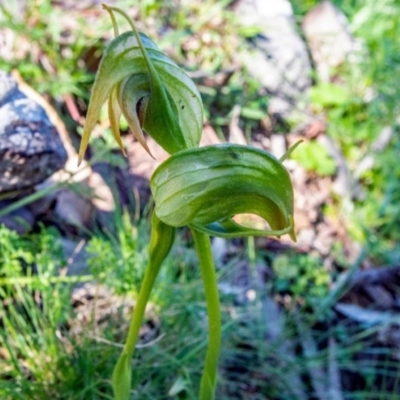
(313, 156)
(206, 187)
(121, 379)
(329, 94)
(178, 386)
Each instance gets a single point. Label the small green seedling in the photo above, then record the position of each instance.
(203, 188)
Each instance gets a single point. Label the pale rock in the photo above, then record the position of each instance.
(328, 35)
(280, 59)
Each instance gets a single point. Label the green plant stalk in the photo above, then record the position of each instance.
(161, 241)
(189, 189)
(209, 377)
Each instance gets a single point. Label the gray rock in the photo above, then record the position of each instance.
(76, 255)
(30, 147)
(20, 220)
(280, 60)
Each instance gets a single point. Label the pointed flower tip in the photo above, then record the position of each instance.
(81, 154)
(292, 233)
(121, 146)
(82, 149)
(123, 151)
(144, 144)
(118, 139)
(80, 159)
(139, 135)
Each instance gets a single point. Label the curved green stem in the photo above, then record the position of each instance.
(113, 20)
(161, 241)
(149, 64)
(209, 378)
(290, 151)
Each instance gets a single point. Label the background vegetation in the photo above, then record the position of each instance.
(60, 339)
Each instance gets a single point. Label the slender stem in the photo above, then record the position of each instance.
(140, 308)
(113, 20)
(209, 378)
(161, 241)
(290, 151)
(136, 33)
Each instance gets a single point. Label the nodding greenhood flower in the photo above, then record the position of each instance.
(205, 187)
(149, 89)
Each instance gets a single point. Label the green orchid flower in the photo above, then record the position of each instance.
(202, 188)
(205, 187)
(149, 89)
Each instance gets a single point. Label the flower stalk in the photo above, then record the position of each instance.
(209, 377)
(202, 188)
(161, 241)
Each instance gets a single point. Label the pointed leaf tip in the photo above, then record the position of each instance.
(121, 378)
